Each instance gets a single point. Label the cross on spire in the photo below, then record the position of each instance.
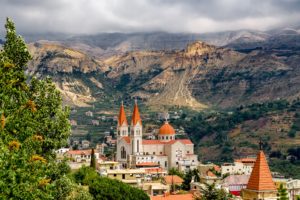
(166, 116)
(260, 144)
(135, 100)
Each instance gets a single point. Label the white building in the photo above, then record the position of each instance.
(165, 151)
(62, 151)
(89, 114)
(100, 148)
(85, 144)
(81, 155)
(241, 166)
(293, 187)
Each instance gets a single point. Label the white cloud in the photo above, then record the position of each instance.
(93, 16)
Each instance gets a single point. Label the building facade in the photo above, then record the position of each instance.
(165, 151)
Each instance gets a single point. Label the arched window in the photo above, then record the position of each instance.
(123, 153)
(138, 146)
(167, 137)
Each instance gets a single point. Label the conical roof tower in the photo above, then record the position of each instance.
(136, 115)
(261, 178)
(122, 116)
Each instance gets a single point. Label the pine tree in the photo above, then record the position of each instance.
(93, 160)
(282, 193)
(33, 123)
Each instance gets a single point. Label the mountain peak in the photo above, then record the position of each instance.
(198, 48)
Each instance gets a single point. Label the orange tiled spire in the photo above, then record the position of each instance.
(136, 114)
(122, 117)
(261, 178)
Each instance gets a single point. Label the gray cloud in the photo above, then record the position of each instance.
(93, 16)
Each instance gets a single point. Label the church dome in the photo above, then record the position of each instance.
(166, 129)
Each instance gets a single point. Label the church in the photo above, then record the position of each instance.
(165, 151)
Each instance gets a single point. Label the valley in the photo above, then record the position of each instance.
(244, 68)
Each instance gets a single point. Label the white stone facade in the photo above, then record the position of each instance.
(166, 151)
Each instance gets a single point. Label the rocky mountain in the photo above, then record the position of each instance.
(244, 68)
(112, 43)
(199, 76)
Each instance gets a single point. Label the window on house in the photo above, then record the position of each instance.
(167, 137)
(115, 175)
(160, 153)
(123, 176)
(153, 152)
(188, 152)
(166, 164)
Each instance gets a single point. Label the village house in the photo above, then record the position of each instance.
(293, 188)
(85, 144)
(89, 114)
(240, 166)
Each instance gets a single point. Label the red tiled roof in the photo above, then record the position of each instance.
(127, 139)
(245, 160)
(173, 179)
(147, 164)
(145, 142)
(184, 141)
(122, 117)
(261, 178)
(153, 170)
(136, 115)
(104, 158)
(174, 197)
(217, 168)
(210, 174)
(80, 152)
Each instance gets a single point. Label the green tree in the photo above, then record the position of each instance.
(187, 180)
(196, 175)
(282, 193)
(105, 188)
(93, 159)
(210, 192)
(174, 171)
(292, 133)
(33, 123)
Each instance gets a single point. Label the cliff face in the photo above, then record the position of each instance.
(199, 76)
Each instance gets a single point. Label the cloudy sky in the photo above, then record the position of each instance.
(197, 16)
